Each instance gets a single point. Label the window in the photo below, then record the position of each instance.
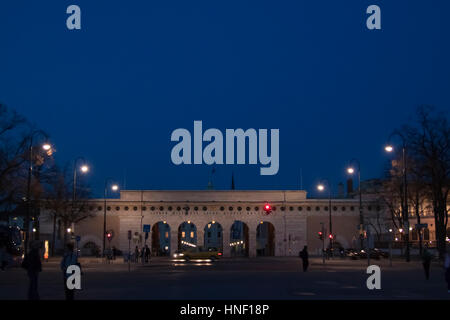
(167, 235)
(117, 208)
(317, 208)
(300, 208)
(426, 234)
(274, 208)
(192, 234)
(108, 208)
(283, 208)
(256, 208)
(308, 208)
(352, 208)
(183, 234)
(152, 208)
(169, 208)
(230, 208)
(343, 208)
(144, 208)
(239, 208)
(326, 208)
(209, 234)
(248, 208)
(291, 208)
(178, 208)
(126, 208)
(218, 234)
(99, 208)
(135, 208)
(161, 208)
(222, 208)
(334, 208)
(205, 208)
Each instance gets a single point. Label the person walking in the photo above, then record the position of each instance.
(426, 260)
(447, 269)
(305, 258)
(32, 263)
(136, 254)
(69, 258)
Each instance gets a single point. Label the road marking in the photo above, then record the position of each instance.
(304, 293)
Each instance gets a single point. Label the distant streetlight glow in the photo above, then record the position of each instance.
(114, 187)
(350, 170)
(46, 146)
(320, 187)
(84, 168)
(389, 148)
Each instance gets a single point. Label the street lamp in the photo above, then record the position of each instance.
(389, 148)
(321, 187)
(114, 187)
(351, 170)
(48, 148)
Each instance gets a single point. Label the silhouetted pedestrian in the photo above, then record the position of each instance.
(305, 258)
(136, 254)
(447, 269)
(147, 253)
(69, 259)
(426, 259)
(32, 263)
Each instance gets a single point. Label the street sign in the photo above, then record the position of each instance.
(146, 228)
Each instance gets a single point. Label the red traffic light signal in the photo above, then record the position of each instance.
(330, 236)
(109, 236)
(267, 208)
(320, 235)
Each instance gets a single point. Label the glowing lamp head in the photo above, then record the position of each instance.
(114, 187)
(320, 187)
(46, 146)
(389, 148)
(84, 168)
(350, 170)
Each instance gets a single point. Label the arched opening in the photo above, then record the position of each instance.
(265, 239)
(187, 235)
(160, 239)
(213, 238)
(239, 239)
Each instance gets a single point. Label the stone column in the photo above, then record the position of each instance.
(200, 238)
(173, 240)
(252, 241)
(226, 241)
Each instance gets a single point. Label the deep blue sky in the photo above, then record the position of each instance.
(115, 90)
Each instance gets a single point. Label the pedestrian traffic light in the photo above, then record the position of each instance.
(330, 236)
(320, 235)
(267, 208)
(109, 236)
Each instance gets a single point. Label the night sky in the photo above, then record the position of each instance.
(114, 91)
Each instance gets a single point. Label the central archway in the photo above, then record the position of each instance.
(213, 237)
(239, 239)
(265, 239)
(187, 235)
(160, 239)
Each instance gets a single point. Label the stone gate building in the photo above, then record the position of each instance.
(293, 222)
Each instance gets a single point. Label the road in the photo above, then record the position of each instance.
(257, 278)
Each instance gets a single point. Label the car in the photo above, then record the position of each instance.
(198, 253)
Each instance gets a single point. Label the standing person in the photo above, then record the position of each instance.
(147, 253)
(32, 263)
(447, 269)
(69, 258)
(305, 258)
(136, 254)
(426, 259)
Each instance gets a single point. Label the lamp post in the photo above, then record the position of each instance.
(321, 187)
(351, 170)
(114, 187)
(46, 147)
(405, 214)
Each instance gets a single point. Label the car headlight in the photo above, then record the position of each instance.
(181, 254)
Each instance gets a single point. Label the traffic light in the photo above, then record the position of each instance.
(267, 208)
(330, 236)
(109, 236)
(320, 235)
